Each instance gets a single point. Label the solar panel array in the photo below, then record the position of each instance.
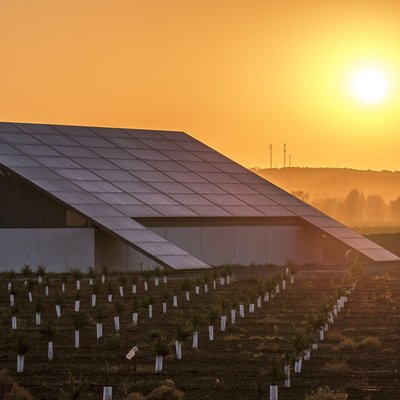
(113, 175)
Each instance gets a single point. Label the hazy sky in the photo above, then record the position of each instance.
(237, 75)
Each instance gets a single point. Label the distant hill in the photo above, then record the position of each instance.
(354, 197)
(320, 183)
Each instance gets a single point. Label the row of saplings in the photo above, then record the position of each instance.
(185, 328)
(306, 339)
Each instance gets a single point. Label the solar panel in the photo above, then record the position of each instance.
(138, 211)
(143, 134)
(139, 236)
(210, 211)
(75, 198)
(238, 188)
(161, 144)
(243, 211)
(151, 176)
(129, 143)
(17, 138)
(180, 156)
(170, 187)
(36, 150)
(75, 151)
(133, 165)
(77, 174)
(35, 128)
(6, 149)
(109, 132)
(256, 199)
(199, 166)
(93, 141)
(184, 177)
(18, 161)
(120, 223)
(117, 198)
(147, 154)
(163, 165)
(135, 187)
(174, 211)
(95, 163)
(58, 162)
(94, 211)
(200, 187)
(224, 199)
(218, 177)
(190, 199)
(193, 146)
(54, 186)
(154, 198)
(96, 186)
(111, 153)
(274, 211)
(36, 173)
(113, 175)
(74, 130)
(7, 127)
(52, 140)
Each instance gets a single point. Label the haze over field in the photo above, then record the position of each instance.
(354, 197)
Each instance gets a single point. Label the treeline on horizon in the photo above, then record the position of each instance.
(353, 197)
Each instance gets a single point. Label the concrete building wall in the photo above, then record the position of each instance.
(57, 249)
(118, 256)
(218, 245)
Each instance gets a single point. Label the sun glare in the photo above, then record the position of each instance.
(370, 85)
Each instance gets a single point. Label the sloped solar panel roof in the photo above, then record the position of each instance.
(113, 175)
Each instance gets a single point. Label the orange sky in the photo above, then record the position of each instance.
(237, 75)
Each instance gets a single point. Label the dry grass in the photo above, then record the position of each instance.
(165, 393)
(335, 336)
(370, 342)
(348, 344)
(18, 393)
(232, 338)
(9, 390)
(325, 393)
(260, 338)
(135, 396)
(336, 367)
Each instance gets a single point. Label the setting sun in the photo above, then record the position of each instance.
(370, 85)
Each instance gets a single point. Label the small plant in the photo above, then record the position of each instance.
(91, 273)
(26, 271)
(102, 312)
(39, 305)
(80, 320)
(113, 342)
(119, 307)
(64, 277)
(48, 331)
(213, 314)
(21, 344)
(40, 270)
(76, 274)
(76, 387)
